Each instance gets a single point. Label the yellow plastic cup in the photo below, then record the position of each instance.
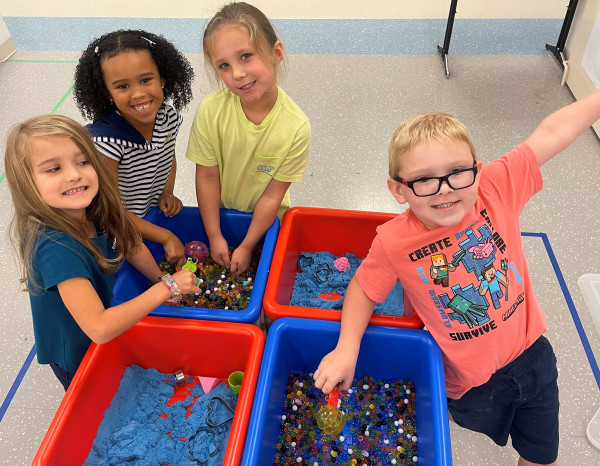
(235, 381)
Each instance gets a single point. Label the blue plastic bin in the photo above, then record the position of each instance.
(387, 353)
(187, 225)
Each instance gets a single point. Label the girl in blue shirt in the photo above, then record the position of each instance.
(72, 233)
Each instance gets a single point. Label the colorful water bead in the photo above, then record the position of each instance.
(370, 436)
(220, 288)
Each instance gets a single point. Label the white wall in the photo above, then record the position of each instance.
(7, 46)
(4, 34)
(289, 9)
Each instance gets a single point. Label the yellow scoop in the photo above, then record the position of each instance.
(329, 418)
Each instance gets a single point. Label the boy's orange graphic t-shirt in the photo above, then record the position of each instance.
(469, 283)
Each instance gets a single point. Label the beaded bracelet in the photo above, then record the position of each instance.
(173, 288)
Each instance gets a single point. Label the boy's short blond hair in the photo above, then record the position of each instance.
(424, 127)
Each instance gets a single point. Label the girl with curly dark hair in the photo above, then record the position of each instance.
(122, 83)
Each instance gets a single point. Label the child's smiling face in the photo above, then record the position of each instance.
(135, 85)
(62, 174)
(244, 71)
(433, 159)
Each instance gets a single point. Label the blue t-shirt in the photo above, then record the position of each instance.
(58, 257)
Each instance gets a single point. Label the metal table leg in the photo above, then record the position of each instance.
(443, 50)
(564, 32)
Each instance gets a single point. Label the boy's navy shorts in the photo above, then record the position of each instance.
(520, 400)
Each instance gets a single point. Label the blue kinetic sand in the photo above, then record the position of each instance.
(144, 425)
(320, 284)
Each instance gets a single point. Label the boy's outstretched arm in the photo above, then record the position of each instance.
(339, 365)
(144, 263)
(558, 130)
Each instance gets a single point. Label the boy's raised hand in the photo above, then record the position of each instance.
(558, 130)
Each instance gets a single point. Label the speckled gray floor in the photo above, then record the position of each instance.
(354, 103)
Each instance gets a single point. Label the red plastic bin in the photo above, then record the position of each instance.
(312, 229)
(205, 348)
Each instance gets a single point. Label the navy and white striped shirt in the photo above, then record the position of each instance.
(143, 166)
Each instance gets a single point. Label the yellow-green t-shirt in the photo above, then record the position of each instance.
(249, 155)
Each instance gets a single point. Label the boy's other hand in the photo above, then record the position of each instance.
(169, 204)
(335, 368)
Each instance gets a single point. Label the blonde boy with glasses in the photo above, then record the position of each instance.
(501, 376)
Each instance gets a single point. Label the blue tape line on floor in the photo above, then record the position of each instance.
(15, 386)
(573, 310)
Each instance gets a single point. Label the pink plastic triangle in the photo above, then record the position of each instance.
(208, 383)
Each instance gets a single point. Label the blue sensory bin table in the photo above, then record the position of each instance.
(386, 353)
(187, 226)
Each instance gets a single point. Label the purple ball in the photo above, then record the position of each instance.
(196, 249)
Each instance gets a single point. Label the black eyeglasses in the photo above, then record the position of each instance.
(456, 179)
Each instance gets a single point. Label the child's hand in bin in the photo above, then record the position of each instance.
(336, 369)
(240, 260)
(186, 281)
(219, 251)
(174, 250)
